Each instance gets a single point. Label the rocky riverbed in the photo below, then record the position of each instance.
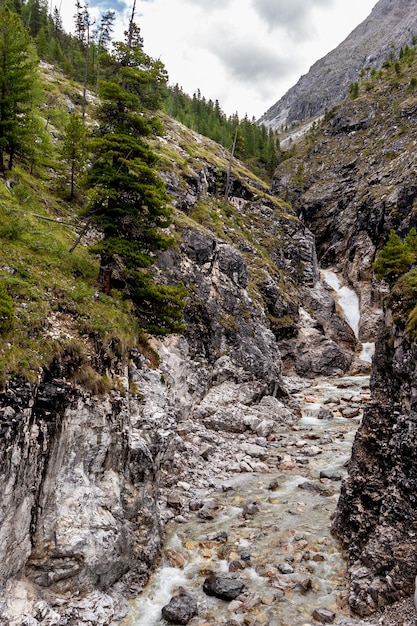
(256, 508)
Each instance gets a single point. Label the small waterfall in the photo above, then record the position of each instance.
(349, 303)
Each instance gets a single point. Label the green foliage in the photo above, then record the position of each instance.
(256, 145)
(129, 202)
(74, 149)
(396, 261)
(354, 90)
(6, 311)
(17, 87)
(396, 257)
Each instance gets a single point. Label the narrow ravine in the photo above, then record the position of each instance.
(270, 529)
(291, 564)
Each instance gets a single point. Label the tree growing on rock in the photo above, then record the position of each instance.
(396, 257)
(128, 201)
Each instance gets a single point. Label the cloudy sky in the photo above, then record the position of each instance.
(244, 53)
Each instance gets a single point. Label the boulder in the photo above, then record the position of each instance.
(223, 587)
(180, 609)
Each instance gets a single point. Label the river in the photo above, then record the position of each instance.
(292, 564)
(284, 552)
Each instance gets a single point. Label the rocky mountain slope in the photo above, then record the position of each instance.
(377, 516)
(90, 410)
(352, 180)
(391, 24)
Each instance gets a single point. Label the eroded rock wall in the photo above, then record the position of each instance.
(79, 505)
(377, 512)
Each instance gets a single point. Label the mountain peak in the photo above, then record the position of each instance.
(391, 25)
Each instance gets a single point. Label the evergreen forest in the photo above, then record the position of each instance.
(78, 153)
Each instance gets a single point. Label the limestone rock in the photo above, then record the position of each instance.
(223, 587)
(180, 609)
(376, 515)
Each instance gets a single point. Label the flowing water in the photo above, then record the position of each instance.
(349, 303)
(284, 553)
(289, 533)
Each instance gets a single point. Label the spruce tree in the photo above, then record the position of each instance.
(18, 78)
(394, 259)
(129, 203)
(73, 150)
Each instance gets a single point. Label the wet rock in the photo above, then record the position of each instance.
(350, 412)
(312, 450)
(284, 568)
(223, 587)
(273, 485)
(324, 616)
(324, 414)
(208, 510)
(331, 474)
(195, 505)
(221, 536)
(313, 486)
(174, 558)
(249, 509)
(237, 565)
(180, 609)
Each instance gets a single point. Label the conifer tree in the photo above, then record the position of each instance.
(18, 78)
(395, 258)
(128, 198)
(73, 149)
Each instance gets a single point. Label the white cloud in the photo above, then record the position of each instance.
(295, 17)
(244, 53)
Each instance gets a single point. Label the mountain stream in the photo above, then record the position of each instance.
(281, 548)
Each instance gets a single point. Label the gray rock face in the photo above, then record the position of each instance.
(390, 25)
(223, 587)
(79, 505)
(84, 476)
(377, 515)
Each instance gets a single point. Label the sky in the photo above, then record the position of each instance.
(244, 53)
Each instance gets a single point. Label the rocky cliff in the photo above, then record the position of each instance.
(93, 446)
(377, 514)
(79, 502)
(352, 180)
(391, 24)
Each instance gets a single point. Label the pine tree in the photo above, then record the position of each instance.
(128, 198)
(394, 259)
(18, 78)
(74, 149)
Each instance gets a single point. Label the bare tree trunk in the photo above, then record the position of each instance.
(229, 171)
(130, 29)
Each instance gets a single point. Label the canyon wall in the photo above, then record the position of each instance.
(377, 513)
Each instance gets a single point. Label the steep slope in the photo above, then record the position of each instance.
(352, 180)
(91, 410)
(377, 512)
(391, 24)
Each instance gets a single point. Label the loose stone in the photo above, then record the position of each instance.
(223, 587)
(180, 609)
(324, 616)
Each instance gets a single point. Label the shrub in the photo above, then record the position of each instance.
(6, 311)
(396, 257)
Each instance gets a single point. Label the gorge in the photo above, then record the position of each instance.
(121, 457)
